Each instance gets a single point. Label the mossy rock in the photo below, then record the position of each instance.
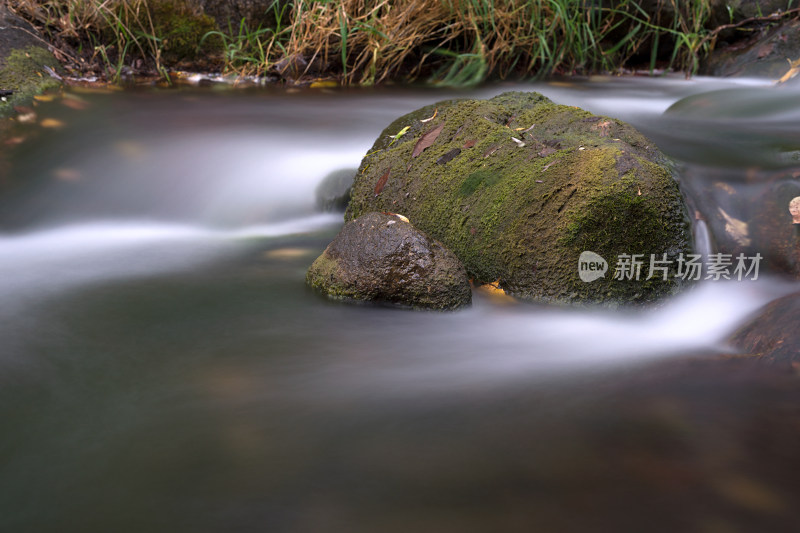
(524, 214)
(179, 26)
(24, 73)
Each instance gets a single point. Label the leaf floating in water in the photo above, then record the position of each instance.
(470, 143)
(449, 156)
(67, 174)
(51, 123)
(427, 140)
(435, 112)
(73, 102)
(382, 182)
(324, 84)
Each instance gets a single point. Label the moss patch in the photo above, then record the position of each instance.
(524, 213)
(24, 74)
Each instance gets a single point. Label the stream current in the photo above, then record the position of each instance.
(164, 368)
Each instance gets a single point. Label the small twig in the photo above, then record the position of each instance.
(716, 31)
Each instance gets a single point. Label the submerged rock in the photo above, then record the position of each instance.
(382, 257)
(774, 333)
(333, 192)
(519, 187)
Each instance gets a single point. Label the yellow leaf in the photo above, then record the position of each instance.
(324, 84)
(45, 97)
(51, 123)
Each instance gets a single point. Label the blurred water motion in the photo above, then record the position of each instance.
(164, 367)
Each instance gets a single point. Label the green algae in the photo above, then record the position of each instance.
(523, 214)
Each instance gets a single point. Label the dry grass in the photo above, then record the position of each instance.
(455, 42)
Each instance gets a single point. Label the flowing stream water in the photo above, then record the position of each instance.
(164, 368)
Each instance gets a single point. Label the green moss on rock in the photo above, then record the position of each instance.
(524, 214)
(24, 74)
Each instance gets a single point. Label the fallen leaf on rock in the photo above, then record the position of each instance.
(470, 143)
(449, 156)
(382, 182)
(490, 151)
(518, 141)
(603, 127)
(794, 209)
(435, 112)
(550, 164)
(736, 228)
(427, 140)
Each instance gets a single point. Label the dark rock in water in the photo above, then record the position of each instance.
(333, 193)
(383, 258)
(774, 333)
(534, 185)
(775, 234)
(764, 55)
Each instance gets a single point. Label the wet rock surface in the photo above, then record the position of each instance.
(764, 55)
(383, 258)
(518, 187)
(333, 192)
(774, 332)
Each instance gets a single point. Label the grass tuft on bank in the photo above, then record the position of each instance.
(364, 42)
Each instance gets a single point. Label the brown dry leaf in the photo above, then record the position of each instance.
(51, 123)
(490, 151)
(449, 156)
(13, 141)
(603, 127)
(287, 254)
(725, 187)
(736, 228)
(470, 143)
(25, 114)
(382, 182)
(435, 112)
(75, 103)
(427, 140)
